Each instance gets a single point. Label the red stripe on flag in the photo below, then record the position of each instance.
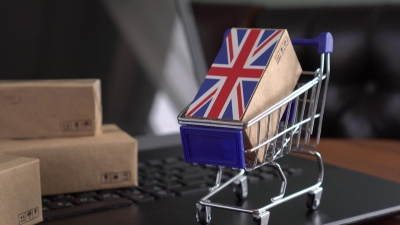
(201, 103)
(232, 74)
(230, 45)
(226, 72)
(239, 98)
(267, 41)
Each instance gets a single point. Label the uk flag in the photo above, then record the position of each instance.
(235, 73)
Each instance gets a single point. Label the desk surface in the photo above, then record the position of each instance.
(375, 157)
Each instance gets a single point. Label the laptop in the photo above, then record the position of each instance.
(348, 196)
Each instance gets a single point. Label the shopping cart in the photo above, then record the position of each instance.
(219, 143)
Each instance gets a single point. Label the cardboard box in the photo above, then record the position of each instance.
(255, 69)
(67, 165)
(20, 197)
(50, 108)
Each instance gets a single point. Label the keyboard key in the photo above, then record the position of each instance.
(192, 169)
(170, 160)
(157, 175)
(140, 198)
(150, 189)
(148, 170)
(45, 200)
(86, 208)
(186, 190)
(126, 191)
(59, 205)
(155, 162)
(138, 195)
(148, 182)
(169, 179)
(169, 167)
(141, 165)
(198, 175)
(106, 196)
(56, 198)
(84, 200)
(171, 185)
(175, 171)
(85, 194)
(162, 194)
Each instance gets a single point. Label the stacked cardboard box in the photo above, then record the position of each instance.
(59, 123)
(20, 197)
(50, 108)
(80, 164)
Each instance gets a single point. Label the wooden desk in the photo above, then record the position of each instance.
(375, 157)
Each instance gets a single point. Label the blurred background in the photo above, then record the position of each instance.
(151, 55)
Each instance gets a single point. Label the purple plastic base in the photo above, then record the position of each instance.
(213, 146)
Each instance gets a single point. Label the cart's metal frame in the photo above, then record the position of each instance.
(291, 134)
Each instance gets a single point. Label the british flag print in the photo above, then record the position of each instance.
(233, 77)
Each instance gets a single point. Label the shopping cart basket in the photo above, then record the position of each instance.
(219, 143)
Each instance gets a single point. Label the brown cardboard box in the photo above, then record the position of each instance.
(20, 197)
(265, 57)
(278, 81)
(50, 108)
(67, 165)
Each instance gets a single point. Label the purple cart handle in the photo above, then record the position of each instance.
(324, 42)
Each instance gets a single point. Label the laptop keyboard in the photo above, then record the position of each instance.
(158, 179)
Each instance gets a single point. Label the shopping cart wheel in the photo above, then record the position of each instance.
(261, 219)
(203, 214)
(314, 198)
(240, 187)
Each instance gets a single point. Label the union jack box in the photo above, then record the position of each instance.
(254, 69)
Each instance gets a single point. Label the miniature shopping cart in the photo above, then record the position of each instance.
(220, 143)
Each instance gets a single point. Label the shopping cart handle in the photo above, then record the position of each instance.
(324, 41)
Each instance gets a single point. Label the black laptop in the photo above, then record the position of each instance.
(169, 189)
